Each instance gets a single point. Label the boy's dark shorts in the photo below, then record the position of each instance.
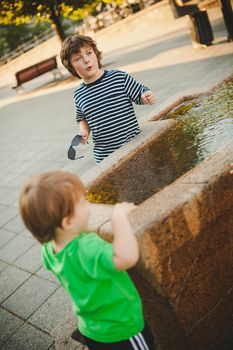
(122, 345)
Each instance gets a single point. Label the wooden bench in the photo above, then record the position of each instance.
(34, 71)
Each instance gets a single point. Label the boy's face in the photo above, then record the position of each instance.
(86, 64)
(81, 215)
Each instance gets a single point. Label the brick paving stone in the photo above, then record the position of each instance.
(2, 207)
(27, 155)
(29, 338)
(18, 181)
(10, 197)
(8, 178)
(20, 167)
(26, 233)
(15, 204)
(15, 225)
(47, 275)
(61, 334)
(7, 214)
(5, 237)
(45, 166)
(54, 347)
(10, 279)
(24, 166)
(31, 294)
(15, 248)
(37, 167)
(12, 166)
(50, 314)
(3, 266)
(30, 260)
(8, 324)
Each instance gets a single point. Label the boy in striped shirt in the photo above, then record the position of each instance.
(104, 101)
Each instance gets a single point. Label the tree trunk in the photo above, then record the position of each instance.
(57, 26)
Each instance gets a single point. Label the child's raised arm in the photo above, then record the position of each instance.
(125, 245)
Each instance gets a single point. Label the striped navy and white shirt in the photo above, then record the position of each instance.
(106, 104)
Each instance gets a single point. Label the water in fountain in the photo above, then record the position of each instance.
(204, 125)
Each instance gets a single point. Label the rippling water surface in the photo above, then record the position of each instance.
(206, 126)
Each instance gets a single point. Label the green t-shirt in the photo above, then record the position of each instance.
(105, 299)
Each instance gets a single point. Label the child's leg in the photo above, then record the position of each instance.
(141, 341)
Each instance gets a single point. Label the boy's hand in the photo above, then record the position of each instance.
(123, 208)
(85, 136)
(231, 168)
(148, 98)
(85, 131)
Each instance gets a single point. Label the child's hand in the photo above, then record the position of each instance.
(123, 208)
(148, 98)
(85, 136)
(85, 131)
(231, 168)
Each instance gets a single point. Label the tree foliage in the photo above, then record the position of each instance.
(22, 11)
(12, 36)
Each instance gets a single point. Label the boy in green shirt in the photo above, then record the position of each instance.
(92, 271)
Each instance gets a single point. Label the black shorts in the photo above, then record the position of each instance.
(141, 341)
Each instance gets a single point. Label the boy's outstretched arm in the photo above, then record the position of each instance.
(85, 130)
(125, 245)
(148, 98)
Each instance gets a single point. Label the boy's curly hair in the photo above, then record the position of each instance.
(72, 45)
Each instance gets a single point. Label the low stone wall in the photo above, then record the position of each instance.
(185, 233)
(186, 240)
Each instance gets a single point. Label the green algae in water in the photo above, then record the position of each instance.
(182, 109)
(204, 125)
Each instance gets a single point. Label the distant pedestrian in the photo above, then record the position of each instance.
(91, 270)
(104, 100)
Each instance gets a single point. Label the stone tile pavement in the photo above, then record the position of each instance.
(35, 131)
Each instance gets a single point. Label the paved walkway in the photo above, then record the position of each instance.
(35, 132)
